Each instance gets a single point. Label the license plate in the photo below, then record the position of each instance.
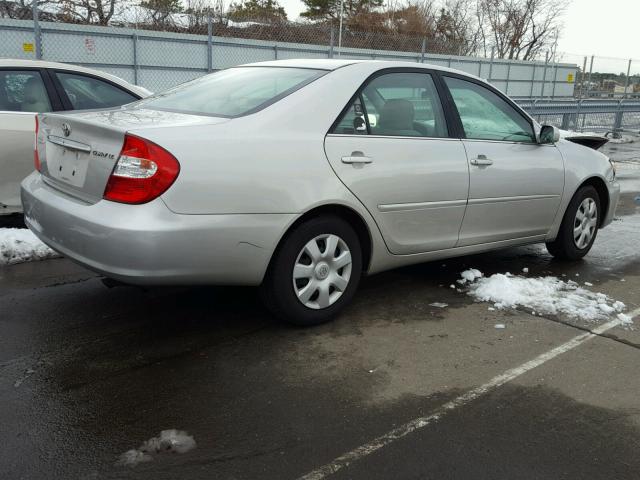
(68, 166)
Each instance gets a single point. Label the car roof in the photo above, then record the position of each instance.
(20, 63)
(334, 64)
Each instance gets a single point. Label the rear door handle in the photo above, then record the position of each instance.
(357, 158)
(481, 160)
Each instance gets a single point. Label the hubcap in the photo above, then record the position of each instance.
(585, 223)
(322, 271)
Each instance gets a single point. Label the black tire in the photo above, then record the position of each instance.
(277, 290)
(564, 246)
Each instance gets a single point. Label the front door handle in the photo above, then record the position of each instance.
(481, 160)
(357, 158)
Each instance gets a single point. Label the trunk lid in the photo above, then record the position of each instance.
(78, 151)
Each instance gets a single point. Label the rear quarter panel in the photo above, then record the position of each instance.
(272, 161)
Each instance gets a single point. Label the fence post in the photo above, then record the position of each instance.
(617, 125)
(493, 52)
(134, 37)
(544, 74)
(584, 68)
(506, 88)
(626, 83)
(275, 51)
(555, 79)
(533, 79)
(36, 29)
(589, 78)
(424, 49)
(533, 109)
(340, 29)
(331, 41)
(578, 113)
(209, 43)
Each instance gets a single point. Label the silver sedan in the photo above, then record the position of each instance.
(302, 175)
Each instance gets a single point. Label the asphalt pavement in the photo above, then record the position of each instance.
(394, 389)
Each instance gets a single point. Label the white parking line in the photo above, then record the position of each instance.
(421, 422)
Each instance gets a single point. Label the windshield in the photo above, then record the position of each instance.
(233, 92)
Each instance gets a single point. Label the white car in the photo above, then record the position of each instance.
(28, 87)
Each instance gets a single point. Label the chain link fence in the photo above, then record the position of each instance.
(576, 93)
(160, 56)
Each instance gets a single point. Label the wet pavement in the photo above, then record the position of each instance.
(88, 372)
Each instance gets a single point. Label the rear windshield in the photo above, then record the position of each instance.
(233, 92)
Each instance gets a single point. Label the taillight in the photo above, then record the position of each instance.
(143, 172)
(36, 157)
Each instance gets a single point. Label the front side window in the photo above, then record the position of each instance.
(485, 115)
(87, 92)
(233, 92)
(23, 91)
(397, 104)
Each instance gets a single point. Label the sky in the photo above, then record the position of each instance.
(591, 27)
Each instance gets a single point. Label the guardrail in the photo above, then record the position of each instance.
(598, 115)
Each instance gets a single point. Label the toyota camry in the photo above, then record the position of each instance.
(300, 176)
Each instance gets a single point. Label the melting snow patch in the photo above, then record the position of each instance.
(499, 326)
(169, 441)
(21, 245)
(469, 276)
(439, 304)
(544, 295)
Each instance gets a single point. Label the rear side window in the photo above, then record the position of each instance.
(486, 116)
(396, 104)
(23, 91)
(87, 92)
(233, 92)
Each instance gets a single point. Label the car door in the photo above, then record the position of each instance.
(23, 94)
(81, 91)
(391, 148)
(515, 184)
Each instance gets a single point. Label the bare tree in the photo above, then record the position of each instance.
(97, 12)
(456, 27)
(198, 12)
(22, 9)
(414, 18)
(160, 12)
(519, 29)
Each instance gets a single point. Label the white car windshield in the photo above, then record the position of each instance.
(233, 92)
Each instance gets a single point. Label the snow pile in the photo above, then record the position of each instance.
(469, 276)
(20, 245)
(169, 441)
(544, 295)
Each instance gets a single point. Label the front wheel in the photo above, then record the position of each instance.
(579, 226)
(315, 272)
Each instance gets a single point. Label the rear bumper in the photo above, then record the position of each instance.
(614, 197)
(150, 245)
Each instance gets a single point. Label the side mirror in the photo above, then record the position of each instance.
(548, 135)
(359, 124)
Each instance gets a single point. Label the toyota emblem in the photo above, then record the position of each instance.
(66, 129)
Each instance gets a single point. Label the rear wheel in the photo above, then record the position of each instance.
(315, 272)
(579, 226)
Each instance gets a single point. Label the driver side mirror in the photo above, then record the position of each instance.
(548, 135)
